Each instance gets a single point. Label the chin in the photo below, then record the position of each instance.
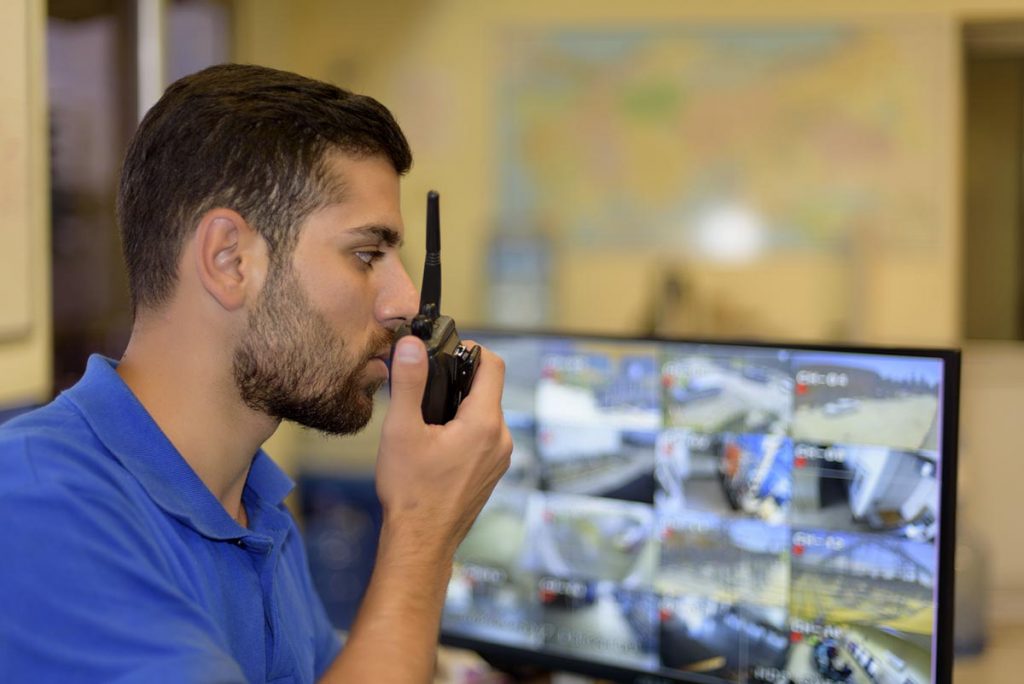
(356, 421)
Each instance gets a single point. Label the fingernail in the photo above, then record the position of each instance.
(408, 351)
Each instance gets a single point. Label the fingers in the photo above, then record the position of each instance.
(408, 378)
(488, 382)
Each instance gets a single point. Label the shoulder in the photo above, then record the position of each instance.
(66, 504)
(55, 445)
(58, 480)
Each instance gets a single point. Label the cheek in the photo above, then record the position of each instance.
(342, 293)
(348, 309)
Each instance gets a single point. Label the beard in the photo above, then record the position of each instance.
(290, 365)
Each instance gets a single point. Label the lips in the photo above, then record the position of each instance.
(383, 342)
(384, 357)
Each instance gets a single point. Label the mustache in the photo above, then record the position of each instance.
(380, 343)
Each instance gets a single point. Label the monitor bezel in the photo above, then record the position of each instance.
(526, 662)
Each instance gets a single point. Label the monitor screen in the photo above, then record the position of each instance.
(713, 512)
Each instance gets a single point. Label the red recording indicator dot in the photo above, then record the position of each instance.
(664, 614)
(799, 461)
(801, 388)
(547, 596)
(795, 637)
(798, 549)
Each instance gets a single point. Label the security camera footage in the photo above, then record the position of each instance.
(711, 513)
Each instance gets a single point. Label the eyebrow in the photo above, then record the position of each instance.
(389, 236)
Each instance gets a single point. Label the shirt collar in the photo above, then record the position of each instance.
(122, 423)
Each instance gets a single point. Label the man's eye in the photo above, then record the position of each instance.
(369, 256)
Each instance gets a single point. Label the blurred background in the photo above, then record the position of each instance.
(789, 171)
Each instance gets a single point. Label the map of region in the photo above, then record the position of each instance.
(631, 137)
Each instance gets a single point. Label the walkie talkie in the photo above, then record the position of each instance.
(451, 365)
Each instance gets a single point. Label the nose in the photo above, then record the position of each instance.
(399, 300)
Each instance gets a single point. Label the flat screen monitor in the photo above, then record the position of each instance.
(717, 512)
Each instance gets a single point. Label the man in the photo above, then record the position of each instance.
(146, 539)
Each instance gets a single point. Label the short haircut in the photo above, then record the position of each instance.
(248, 138)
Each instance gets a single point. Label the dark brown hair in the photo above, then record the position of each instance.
(248, 138)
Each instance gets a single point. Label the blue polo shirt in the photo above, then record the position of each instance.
(118, 564)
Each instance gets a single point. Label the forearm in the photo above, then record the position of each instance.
(432, 482)
(394, 637)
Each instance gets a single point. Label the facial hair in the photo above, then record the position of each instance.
(292, 366)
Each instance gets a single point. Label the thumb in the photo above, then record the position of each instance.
(408, 376)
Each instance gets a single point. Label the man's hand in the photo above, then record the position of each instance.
(432, 481)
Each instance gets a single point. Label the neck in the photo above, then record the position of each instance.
(188, 389)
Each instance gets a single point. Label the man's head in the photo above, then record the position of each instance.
(250, 138)
(316, 341)
(310, 169)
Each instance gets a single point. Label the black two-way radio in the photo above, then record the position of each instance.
(451, 365)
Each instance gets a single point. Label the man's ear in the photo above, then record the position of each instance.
(230, 257)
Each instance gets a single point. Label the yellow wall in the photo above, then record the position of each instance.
(435, 64)
(25, 325)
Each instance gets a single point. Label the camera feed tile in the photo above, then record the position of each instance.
(720, 641)
(522, 357)
(598, 419)
(857, 653)
(737, 475)
(591, 538)
(842, 398)
(866, 489)
(491, 594)
(844, 577)
(727, 561)
(599, 619)
(714, 391)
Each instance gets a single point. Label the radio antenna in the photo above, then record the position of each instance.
(430, 293)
